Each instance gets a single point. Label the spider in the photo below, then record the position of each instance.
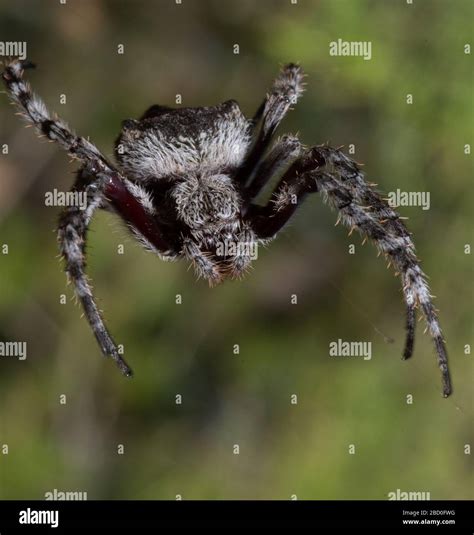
(186, 183)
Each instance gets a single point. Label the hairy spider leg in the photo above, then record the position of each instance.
(341, 183)
(100, 181)
(73, 225)
(285, 91)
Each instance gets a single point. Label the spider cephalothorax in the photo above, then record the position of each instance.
(186, 184)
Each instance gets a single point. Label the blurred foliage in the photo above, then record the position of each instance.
(187, 349)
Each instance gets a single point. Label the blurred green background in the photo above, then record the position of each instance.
(187, 349)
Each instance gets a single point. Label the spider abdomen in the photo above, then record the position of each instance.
(169, 142)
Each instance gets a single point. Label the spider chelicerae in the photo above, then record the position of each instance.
(186, 184)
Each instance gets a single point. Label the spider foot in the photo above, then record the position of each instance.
(14, 69)
(286, 90)
(122, 365)
(289, 83)
(237, 266)
(203, 262)
(410, 336)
